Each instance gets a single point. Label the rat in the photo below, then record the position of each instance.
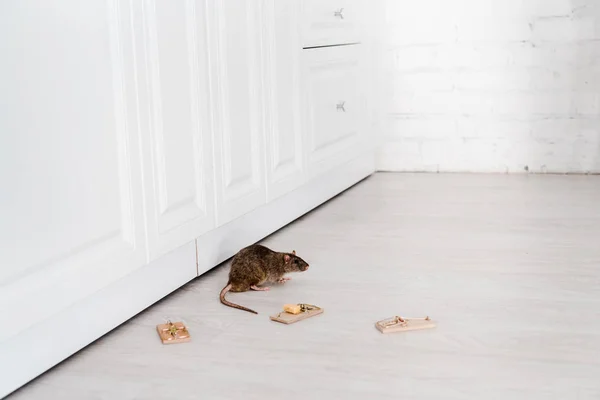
(254, 265)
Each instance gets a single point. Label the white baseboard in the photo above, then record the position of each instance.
(43, 345)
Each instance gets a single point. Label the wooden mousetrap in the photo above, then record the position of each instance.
(296, 312)
(173, 332)
(399, 324)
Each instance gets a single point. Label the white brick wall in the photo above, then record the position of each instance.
(492, 86)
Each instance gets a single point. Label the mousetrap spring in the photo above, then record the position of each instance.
(308, 307)
(400, 324)
(173, 332)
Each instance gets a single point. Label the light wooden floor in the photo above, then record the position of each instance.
(508, 265)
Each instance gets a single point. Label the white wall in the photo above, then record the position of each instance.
(492, 86)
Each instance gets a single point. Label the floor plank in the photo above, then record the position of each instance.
(509, 267)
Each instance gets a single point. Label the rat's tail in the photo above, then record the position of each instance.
(230, 304)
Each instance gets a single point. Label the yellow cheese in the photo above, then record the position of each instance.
(292, 309)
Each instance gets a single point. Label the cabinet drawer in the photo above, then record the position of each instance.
(330, 22)
(334, 106)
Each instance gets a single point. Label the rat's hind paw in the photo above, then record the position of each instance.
(261, 289)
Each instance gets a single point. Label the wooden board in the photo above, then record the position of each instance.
(411, 324)
(287, 318)
(182, 335)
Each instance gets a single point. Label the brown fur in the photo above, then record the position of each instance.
(255, 265)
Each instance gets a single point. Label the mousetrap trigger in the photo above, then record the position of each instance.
(399, 324)
(170, 333)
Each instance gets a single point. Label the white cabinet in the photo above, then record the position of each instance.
(237, 106)
(284, 141)
(71, 206)
(334, 96)
(174, 94)
(334, 107)
(142, 142)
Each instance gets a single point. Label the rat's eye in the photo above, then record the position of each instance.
(295, 261)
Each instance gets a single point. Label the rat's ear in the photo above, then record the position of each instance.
(286, 258)
(294, 252)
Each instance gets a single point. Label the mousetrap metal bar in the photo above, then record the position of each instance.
(170, 333)
(295, 313)
(399, 324)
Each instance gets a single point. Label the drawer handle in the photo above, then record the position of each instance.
(339, 13)
(341, 106)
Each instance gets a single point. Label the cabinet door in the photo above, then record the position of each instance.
(71, 202)
(238, 127)
(334, 107)
(176, 133)
(284, 148)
